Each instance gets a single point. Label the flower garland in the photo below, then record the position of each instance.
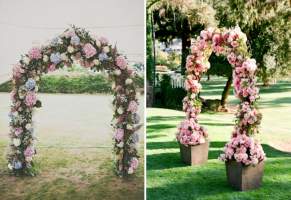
(232, 44)
(94, 53)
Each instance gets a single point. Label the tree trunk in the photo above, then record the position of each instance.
(186, 43)
(225, 92)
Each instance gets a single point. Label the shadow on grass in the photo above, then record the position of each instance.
(157, 119)
(276, 102)
(171, 160)
(158, 127)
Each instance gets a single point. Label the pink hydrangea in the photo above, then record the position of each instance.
(29, 151)
(244, 149)
(119, 134)
(52, 67)
(190, 133)
(89, 50)
(103, 40)
(121, 62)
(17, 71)
(18, 131)
(132, 107)
(30, 99)
(134, 163)
(35, 53)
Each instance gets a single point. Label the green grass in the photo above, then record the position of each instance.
(72, 174)
(73, 84)
(168, 178)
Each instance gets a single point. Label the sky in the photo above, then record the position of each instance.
(28, 23)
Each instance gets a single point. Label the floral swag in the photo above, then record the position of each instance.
(243, 147)
(94, 53)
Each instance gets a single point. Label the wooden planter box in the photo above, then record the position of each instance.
(243, 177)
(194, 155)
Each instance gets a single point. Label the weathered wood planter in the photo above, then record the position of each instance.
(243, 177)
(194, 155)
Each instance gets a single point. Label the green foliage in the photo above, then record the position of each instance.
(169, 97)
(268, 28)
(171, 60)
(149, 49)
(79, 84)
(180, 19)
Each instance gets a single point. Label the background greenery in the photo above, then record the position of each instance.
(77, 84)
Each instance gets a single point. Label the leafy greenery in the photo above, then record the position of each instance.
(168, 178)
(168, 97)
(267, 26)
(180, 19)
(77, 84)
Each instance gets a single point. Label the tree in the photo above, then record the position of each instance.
(267, 25)
(182, 19)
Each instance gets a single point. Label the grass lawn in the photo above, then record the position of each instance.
(168, 178)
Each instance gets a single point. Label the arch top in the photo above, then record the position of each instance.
(231, 43)
(95, 53)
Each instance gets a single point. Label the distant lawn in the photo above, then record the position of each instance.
(168, 178)
(73, 84)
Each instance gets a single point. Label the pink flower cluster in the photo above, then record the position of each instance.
(191, 111)
(191, 133)
(17, 71)
(133, 165)
(34, 53)
(121, 62)
(132, 107)
(119, 134)
(29, 152)
(244, 149)
(191, 84)
(30, 99)
(89, 50)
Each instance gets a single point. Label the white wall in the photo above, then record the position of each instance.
(24, 23)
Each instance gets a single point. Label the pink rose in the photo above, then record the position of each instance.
(250, 65)
(103, 40)
(29, 151)
(17, 71)
(121, 62)
(193, 85)
(89, 50)
(30, 99)
(52, 68)
(217, 39)
(34, 53)
(119, 134)
(134, 163)
(18, 131)
(132, 107)
(231, 58)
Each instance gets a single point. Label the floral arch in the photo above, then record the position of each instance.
(243, 147)
(74, 44)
